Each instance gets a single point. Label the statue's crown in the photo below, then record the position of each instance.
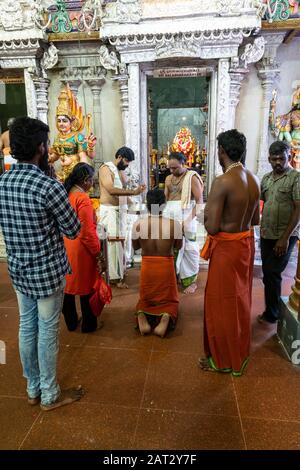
(68, 106)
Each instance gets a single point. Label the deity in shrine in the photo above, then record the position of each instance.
(71, 146)
(287, 127)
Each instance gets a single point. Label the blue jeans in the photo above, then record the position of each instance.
(38, 343)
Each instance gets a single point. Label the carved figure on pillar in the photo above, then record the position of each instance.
(71, 146)
(287, 127)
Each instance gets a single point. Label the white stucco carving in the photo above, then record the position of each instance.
(223, 94)
(49, 59)
(177, 48)
(125, 11)
(254, 52)
(108, 60)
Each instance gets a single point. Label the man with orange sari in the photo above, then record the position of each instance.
(157, 237)
(232, 209)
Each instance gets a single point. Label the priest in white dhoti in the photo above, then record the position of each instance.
(184, 195)
(112, 212)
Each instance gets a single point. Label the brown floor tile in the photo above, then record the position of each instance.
(16, 418)
(12, 382)
(175, 382)
(82, 426)
(186, 338)
(263, 434)
(119, 331)
(110, 376)
(9, 323)
(268, 389)
(169, 430)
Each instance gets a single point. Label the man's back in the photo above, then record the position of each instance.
(158, 236)
(241, 200)
(34, 212)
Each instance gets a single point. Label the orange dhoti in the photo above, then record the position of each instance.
(227, 304)
(158, 287)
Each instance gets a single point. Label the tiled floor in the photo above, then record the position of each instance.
(147, 392)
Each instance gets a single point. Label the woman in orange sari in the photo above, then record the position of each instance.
(82, 252)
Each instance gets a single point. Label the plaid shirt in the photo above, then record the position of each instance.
(35, 213)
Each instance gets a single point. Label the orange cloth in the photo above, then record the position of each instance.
(227, 304)
(158, 286)
(83, 250)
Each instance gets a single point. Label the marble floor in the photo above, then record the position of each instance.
(147, 392)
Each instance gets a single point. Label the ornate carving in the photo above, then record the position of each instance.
(222, 102)
(41, 86)
(39, 13)
(49, 59)
(177, 48)
(11, 15)
(228, 7)
(108, 60)
(128, 11)
(92, 13)
(254, 52)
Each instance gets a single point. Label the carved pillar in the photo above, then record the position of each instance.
(123, 86)
(41, 86)
(72, 76)
(267, 74)
(268, 71)
(223, 93)
(237, 75)
(96, 85)
(134, 118)
(30, 94)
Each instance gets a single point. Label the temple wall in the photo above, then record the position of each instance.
(111, 133)
(247, 117)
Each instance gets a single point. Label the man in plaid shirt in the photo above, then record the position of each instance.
(34, 215)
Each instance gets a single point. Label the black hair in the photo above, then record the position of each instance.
(155, 200)
(25, 135)
(80, 173)
(279, 147)
(125, 152)
(234, 144)
(177, 156)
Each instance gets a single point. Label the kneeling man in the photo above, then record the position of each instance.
(157, 237)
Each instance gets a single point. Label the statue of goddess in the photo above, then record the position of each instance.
(71, 146)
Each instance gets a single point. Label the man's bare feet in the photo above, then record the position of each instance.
(65, 398)
(161, 328)
(121, 285)
(191, 289)
(144, 326)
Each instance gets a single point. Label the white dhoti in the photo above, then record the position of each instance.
(188, 259)
(112, 218)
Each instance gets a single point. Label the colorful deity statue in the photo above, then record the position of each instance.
(287, 127)
(184, 142)
(71, 146)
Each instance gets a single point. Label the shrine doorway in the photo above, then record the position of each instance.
(177, 106)
(12, 96)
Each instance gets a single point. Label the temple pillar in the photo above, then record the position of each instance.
(123, 86)
(134, 118)
(41, 86)
(30, 93)
(237, 75)
(268, 74)
(70, 76)
(223, 124)
(268, 71)
(96, 83)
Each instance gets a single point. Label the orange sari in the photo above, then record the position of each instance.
(227, 304)
(158, 287)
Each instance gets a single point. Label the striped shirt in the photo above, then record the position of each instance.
(35, 213)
